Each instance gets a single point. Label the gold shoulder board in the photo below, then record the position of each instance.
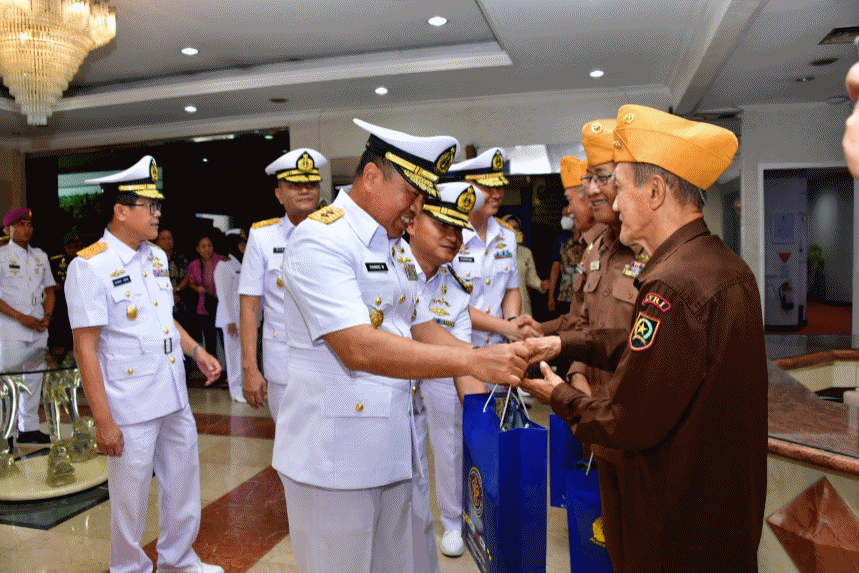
(55, 257)
(466, 285)
(92, 250)
(265, 223)
(327, 215)
(504, 223)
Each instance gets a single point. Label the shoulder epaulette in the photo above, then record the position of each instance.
(92, 250)
(265, 223)
(504, 223)
(55, 257)
(327, 215)
(466, 285)
(642, 257)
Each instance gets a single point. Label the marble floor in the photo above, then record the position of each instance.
(244, 526)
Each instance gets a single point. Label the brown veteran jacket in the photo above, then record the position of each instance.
(688, 405)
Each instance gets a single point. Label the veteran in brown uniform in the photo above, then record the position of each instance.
(573, 173)
(606, 281)
(688, 401)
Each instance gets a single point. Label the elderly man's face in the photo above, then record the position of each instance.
(632, 204)
(601, 191)
(580, 207)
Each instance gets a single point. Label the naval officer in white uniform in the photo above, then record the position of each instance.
(488, 255)
(435, 238)
(26, 306)
(226, 277)
(129, 350)
(296, 176)
(344, 443)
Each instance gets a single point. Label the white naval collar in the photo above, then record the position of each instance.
(17, 250)
(493, 231)
(286, 226)
(368, 230)
(125, 252)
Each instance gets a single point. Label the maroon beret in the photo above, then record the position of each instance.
(16, 215)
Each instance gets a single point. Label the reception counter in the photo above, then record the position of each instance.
(809, 437)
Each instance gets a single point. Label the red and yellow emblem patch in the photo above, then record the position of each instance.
(643, 332)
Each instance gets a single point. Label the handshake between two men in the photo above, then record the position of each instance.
(507, 364)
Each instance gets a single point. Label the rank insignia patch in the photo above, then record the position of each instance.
(643, 332)
(657, 301)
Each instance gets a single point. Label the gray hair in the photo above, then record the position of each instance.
(684, 191)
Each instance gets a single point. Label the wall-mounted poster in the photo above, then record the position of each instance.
(783, 228)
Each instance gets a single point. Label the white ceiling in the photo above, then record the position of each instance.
(711, 55)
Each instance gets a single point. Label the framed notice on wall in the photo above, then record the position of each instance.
(783, 224)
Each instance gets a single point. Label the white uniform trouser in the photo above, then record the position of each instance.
(14, 353)
(233, 356)
(276, 371)
(444, 417)
(423, 531)
(169, 446)
(350, 531)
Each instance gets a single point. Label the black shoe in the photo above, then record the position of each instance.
(34, 437)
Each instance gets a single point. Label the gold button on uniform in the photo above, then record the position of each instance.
(489, 281)
(127, 293)
(402, 298)
(279, 282)
(155, 301)
(144, 274)
(172, 359)
(378, 300)
(488, 310)
(414, 390)
(487, 339)
(131, 370)
(274, 335)
(166, 330)
(359, 407)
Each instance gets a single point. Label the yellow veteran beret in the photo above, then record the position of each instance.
(598, 139)
(697, 152)
(572, 171)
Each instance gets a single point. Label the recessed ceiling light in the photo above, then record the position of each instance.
(805, 79)
(189, 51)
(205, 160)
(597, 73)
(437, 21)
(381, 90)
(278, 100)
(190, 109)
(269, 136)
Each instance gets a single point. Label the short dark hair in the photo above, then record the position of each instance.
(111, 198)
(385, 165)
(684, 191)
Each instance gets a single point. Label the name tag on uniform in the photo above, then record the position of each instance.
(595, 265)
(12, 266)
(466, 259)
(278, 250)
(121, 280)
(376, 267)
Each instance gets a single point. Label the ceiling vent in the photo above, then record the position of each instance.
(844, 35)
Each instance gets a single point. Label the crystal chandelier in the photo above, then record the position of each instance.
(42, 45)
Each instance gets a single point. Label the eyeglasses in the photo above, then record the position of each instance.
(601, 180)
(154, 206)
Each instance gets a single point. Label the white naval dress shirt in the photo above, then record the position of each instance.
(227, 284)
(129, 295)
(492, 269)
(262, 273)
(339, 428)
(24, 276)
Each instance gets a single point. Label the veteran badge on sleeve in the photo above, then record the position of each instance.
(643, 332)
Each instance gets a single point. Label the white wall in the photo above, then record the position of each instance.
(778, 137)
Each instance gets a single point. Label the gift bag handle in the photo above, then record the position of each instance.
(506, 402)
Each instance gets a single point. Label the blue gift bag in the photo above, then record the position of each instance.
(564, 451)
(504, 486)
